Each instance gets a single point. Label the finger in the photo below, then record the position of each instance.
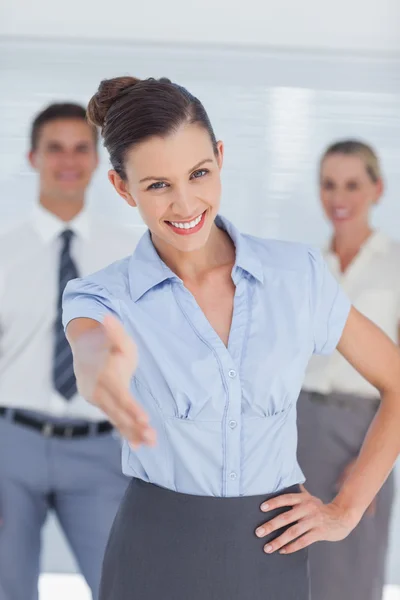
(122, 397)
(121, 418)
(124, 416)
(303, 542)
(289, 535)
(116, 335)
(283, 520)
(135, 434)
(284, 500)
(134, 431)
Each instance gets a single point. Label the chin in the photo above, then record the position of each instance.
(71, 193)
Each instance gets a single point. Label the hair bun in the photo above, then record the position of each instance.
(109, 91)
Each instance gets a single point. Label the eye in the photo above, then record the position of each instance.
(199, 173)
(328, 185)
(83, 149)
(158, 185)
(53, 149)
(352, 186)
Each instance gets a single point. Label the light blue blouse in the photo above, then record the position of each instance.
(225, 416)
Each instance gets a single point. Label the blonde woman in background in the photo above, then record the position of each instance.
(337, 405)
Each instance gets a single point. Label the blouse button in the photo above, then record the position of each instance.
(232, 424)
(232, 476)
(232, 374)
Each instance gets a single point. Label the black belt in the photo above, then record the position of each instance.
(50, 429)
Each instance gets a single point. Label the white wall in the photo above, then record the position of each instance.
(343, 24)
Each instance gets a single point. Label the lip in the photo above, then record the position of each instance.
(179, 231)
(336, 216)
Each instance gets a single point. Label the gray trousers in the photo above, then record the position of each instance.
(80, 479)
(331, 431)
(173, 546)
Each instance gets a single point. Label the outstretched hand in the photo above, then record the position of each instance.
(107, 385)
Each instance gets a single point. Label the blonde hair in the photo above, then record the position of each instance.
(356, 148)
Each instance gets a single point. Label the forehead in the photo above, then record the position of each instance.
(66, 132)
(343, 166)
(174, 154)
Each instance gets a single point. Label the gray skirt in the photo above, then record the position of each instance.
(331, 431)
(175, 546)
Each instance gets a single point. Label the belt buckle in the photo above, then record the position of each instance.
(47, 429)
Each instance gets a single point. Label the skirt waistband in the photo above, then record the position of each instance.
(213, 502)
(342, 400)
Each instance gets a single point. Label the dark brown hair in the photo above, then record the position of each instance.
(54, 112)
(360, 149)
(130, 110)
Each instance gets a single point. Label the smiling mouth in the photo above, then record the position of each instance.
(68, 177)
(340, 214)
(187, 227)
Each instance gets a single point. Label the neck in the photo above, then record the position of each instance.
(347, 244)
(219, 250)
(65, 210)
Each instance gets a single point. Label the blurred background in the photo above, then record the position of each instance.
(280, 81)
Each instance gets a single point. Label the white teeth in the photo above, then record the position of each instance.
(341, 213)
(189, 225)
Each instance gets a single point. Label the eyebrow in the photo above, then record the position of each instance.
(199, 164)
(59, 144)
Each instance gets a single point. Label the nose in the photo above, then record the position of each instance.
(184, 203)
(338, 198)
(69, 158)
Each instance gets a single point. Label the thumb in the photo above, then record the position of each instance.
(116, 335)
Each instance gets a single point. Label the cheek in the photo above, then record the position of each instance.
(209, 190)
(152, 208)
(325, 198)
(49, 167)
(89, 164)
(361, 201)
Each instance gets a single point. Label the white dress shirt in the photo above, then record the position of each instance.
(372, 282)
(29, 262)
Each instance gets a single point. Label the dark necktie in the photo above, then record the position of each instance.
(63, 373)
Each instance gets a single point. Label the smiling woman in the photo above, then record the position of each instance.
(337, 405)
(195, 347)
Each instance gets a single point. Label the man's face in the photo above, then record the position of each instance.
(65, 158)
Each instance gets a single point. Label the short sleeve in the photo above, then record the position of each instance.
(330, 307)
(84, 298)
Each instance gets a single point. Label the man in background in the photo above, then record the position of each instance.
(57, 452)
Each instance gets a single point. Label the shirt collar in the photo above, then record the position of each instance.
(49, 227)
(378, 242)
(147, 270)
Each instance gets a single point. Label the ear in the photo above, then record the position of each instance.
(32, 159)
(121, 187)
(379, 189)
(220, 155)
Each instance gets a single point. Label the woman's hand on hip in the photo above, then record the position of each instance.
(105, 360)
(309, 520)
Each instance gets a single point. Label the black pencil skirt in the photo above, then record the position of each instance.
(166, 545)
